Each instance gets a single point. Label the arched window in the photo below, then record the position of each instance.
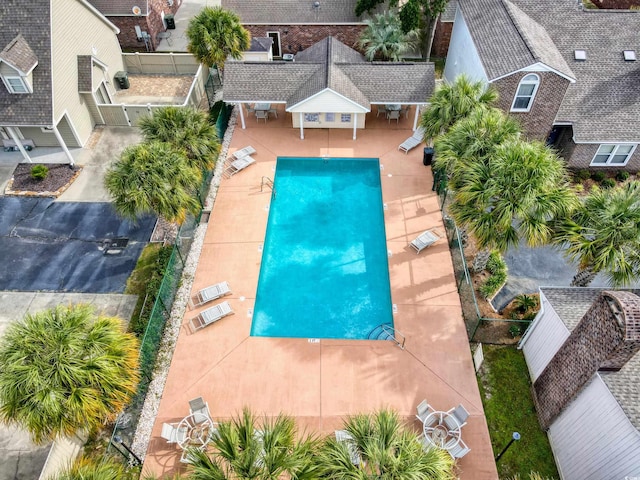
(526, 93)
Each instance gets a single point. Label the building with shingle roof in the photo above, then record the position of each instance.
(583, 354)
(45, 64)
(329, 85)
(560, 71)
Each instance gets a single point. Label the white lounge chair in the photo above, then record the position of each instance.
(413, 141)
(458, 450)
(172, 434)
(424, 240)
(210, 293)
(237, 166)
(210, 315)
(460, 413)
(345, 437)
(423, 410)
(199, 410)
(243, 152)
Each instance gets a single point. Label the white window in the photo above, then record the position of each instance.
(526, 93)
(312, 117)
(329, 117)
(16, 85)
(345, 118)
(609, 154)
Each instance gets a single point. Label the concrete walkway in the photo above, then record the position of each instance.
(186, 12)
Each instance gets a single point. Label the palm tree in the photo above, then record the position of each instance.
(242, 451)
(603, 235)
(188, 130)
(452, 102)
(387, 449)
(383, 38)
(215, 34)
(91, 469)
(65, 369)
(153, 178)
(510, 195)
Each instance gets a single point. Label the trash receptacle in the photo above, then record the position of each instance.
(427, 158)
(171, 22)
(122, 79)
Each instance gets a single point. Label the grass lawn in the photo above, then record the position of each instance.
(506, 395)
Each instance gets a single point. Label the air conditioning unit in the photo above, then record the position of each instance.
(288, 57)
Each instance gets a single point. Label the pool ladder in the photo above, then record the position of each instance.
(267, 182)
(385, 331)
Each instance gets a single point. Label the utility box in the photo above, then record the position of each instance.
(427, 157)
(122, 79)
(171, 22)
(288, 57)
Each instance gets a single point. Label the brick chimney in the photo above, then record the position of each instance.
(607, 336)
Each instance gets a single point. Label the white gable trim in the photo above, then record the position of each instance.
(358, 108)
(97, 13)
(535, 67)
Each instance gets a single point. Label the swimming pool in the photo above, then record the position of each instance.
(324, 271)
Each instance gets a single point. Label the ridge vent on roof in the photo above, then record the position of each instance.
(629, 55)
(580, 55)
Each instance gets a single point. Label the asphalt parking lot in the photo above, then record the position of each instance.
(56, 246)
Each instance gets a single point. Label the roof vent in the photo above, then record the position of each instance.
(629, 55)
(580, 55)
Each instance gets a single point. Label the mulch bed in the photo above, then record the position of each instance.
(57, 180)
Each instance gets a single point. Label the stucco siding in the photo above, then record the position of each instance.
(547, 335)
(592, 439)
(324, 123)
(463, 56)
(71, 21)
(327, 101)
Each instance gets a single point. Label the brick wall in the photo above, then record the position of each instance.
(617, 4)
(300, 37)
(607, 336)
(537, 122)
(583, 153)
(152, 24)
(441, 39)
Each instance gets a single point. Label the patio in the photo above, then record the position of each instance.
(155, 89)
(320, 382)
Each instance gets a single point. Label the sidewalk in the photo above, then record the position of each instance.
(186, 12)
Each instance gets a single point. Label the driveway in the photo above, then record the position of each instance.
(54, 246)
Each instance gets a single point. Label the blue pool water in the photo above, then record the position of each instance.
(324, 270)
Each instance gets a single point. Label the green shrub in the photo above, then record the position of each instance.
(583, 174)
(39, 172)
(578, 188)
(514, 330)
(598, 176)
(492, 284)
(622, 175)
(608, 183)
(524, 303)
(496, 263)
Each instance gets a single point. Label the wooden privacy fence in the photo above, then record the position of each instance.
(161, 63)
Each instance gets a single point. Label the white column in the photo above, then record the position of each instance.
(241, 116)
(301, 126)
(415, 120)
(355, 124)
(63, 145)
(15, 138)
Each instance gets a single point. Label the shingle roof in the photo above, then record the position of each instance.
(260, 44)
(602, 105)
(449, 13)
(571, 304)
(328, 64)
(19, 55)
(120, 7)
(293, 11)
(31, 19)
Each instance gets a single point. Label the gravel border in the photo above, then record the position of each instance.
(149, 412)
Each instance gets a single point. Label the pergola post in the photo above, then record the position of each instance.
(242, 116)
(301, 126)
(355, 124)
(415, 120)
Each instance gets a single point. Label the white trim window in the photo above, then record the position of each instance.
(612, 154)
(526, 93)
(16, 84)
(345, 118)
(312, 117)
(329, 117)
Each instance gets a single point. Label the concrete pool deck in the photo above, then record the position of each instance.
(320, 383)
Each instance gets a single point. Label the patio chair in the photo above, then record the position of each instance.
(250, 109)
(423, 410)
(262, 114)
(274, 111)
(172, 434)
(200, 410)
(210, 293)
(424, 240)
(238, 166)
(457, 450)
(342, 436)
(393, 115)
(405, 111)
(381, 109)
(413, 141)
(461, 415)
(210, 315)
(243, 152)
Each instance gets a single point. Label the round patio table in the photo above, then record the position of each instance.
(199, 430)
(442, 429)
